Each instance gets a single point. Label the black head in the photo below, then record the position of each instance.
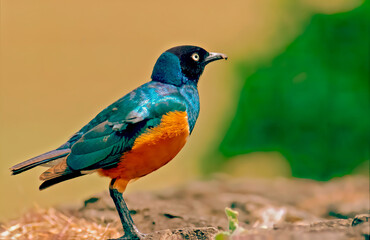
(182, 64)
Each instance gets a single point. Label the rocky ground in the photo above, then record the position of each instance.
(268, 209)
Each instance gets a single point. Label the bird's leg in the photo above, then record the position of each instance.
(131, 232)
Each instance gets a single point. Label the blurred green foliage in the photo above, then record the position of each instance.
(312, 103)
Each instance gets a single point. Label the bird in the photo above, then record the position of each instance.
(137, 134)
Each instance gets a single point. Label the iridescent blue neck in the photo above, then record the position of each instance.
(167, 69)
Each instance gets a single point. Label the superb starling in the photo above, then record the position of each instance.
(137, 134)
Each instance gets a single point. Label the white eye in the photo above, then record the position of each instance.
(195, 57)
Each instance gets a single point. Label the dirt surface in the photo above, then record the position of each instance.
(268, 209)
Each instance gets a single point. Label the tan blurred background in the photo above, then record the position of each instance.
(64, 61)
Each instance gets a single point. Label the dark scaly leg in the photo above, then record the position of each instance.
(131, 232)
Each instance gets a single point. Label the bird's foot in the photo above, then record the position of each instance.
(132, 236)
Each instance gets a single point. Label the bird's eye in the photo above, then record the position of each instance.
(195, 57)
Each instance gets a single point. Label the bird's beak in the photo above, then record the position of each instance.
(213, 57)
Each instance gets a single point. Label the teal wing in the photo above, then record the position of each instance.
(103, 145)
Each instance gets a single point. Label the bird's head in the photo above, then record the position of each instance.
(183, 64)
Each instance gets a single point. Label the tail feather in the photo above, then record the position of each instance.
(59, 173)
(53, 181)
(39, 160)
(58, 170)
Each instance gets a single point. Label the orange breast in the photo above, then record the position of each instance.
(151, 150)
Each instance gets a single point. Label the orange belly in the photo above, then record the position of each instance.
(151, 150)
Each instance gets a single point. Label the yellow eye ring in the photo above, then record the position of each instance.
(195, 57)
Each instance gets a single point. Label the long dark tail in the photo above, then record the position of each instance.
(39, 160)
